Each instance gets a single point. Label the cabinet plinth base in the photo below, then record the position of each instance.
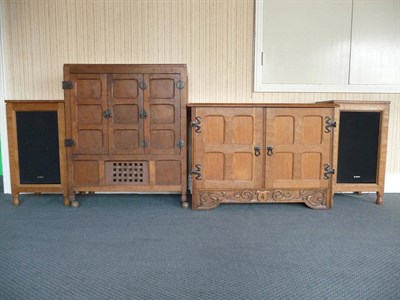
(313, 198)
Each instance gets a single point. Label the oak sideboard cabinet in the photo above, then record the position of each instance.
(126, 128)
(255, 153)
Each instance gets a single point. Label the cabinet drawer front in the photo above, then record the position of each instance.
(224, 147)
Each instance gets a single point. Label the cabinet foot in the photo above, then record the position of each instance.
(379, 198)
(15, 200)
(66, 201)
(185, 204)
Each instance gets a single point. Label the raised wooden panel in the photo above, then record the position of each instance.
(90, 114)
(126, 113)
(126, 139)
(125, 88)
(90, 141)
(162, 139)
(242, 166)
(283, 167)
(88, 89)
(162, 113)
(311, 166)
(162, 88)
(312, 130)
(243, 129)
(86, 172)
(213, 129)
(284, 130)
(167, 172)
(215, 166)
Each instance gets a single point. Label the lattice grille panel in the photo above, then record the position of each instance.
(127, 172)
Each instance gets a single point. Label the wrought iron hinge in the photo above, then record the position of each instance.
(143, 114)
(197, 172)
(180, 85)
(144, 143)
(328, 171)
(143, 85)
(196, 124)
(328, 124)
(180, 144)
(67, 85)
(69, 143)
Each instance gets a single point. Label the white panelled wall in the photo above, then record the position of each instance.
(213, 37)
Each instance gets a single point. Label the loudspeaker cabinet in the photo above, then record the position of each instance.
(36, 133)
(126, 128)
(360, 147)
(262, 153)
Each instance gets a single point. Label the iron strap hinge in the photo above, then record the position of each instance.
(69, 143)
(328, 171)
(67, 85)
(196, 124)
(329, 124)
(197, 172)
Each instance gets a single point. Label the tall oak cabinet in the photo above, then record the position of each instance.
(126, 128)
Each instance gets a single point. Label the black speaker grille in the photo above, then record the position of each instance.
(358, 147)
(38, 151)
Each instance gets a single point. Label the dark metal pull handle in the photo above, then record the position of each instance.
(107, 114)
(143, 114)
(270, 150)
(144, 143)
(143, 85)
(257, 150)
(197, 172)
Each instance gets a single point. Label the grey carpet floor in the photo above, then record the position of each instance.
(148, 247)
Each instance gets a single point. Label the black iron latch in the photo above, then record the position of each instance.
(67, 85)
(180, 144)
(69, 143)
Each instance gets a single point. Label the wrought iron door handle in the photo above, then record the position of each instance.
(270, 150)
(107, 114)
(257, 150)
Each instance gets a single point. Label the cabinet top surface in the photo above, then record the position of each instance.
(34, 101)
(124, 68)
(289, 105)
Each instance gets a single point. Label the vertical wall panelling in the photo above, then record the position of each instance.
(213, 37)
(3, 123)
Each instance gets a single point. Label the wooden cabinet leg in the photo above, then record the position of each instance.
(66, 201)
(185, 204)
(15, 200)
(379, 198)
